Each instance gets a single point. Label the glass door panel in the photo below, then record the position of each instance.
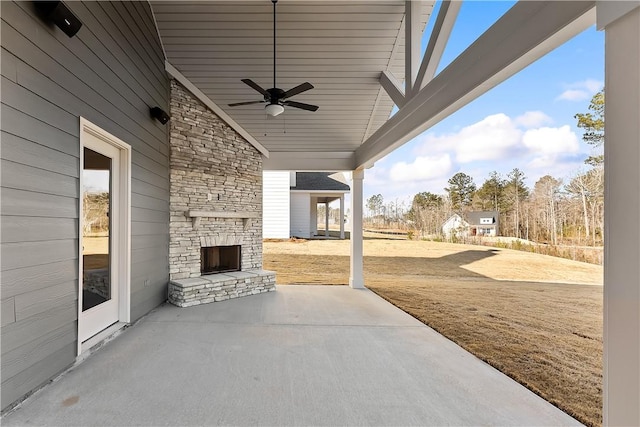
(96, 229)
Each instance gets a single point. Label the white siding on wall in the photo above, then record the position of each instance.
(275, 205)
(454, 224)
(300, 213)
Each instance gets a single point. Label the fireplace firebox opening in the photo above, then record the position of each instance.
(220, 259)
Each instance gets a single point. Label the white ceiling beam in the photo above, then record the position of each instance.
(437, 42)
(393, 88)
(309, 161)
(381, 91)
(173, 72)
(528, 31)
(412, 42)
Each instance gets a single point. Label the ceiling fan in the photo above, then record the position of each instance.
(276, 98)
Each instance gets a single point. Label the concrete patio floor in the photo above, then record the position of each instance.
(304, 355)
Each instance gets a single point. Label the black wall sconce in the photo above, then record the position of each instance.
(60, 14)
(159, 114)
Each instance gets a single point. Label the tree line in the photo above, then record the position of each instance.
(553, 211)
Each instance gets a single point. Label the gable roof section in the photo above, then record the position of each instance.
(473, 218)
(318, 181)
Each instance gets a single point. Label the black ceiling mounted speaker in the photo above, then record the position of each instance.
(60, 14)
(276, 98)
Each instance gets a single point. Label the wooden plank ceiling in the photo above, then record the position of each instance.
(339, 47)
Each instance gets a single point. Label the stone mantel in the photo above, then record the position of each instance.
(196, 216)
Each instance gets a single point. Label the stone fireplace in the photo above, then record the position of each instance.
(215, 205)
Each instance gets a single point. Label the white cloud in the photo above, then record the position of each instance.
(532, 119)
(592, 85)
(497, 142)
(549, 145)
(551, 140)
(492, 138)
(580, 91)
(573, 95)
(423, 168)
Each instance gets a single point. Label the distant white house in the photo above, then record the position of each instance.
(290, 202)
(470, 224)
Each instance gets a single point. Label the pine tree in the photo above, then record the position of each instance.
(461, 190)
(593, 124)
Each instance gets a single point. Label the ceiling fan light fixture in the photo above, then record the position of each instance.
(275, 97)
(274, 109)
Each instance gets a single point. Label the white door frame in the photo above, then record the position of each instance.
(122, 274)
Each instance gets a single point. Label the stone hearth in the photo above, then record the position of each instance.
(220, 287)
(216, 200)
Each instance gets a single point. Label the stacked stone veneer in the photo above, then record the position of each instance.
(213, 168)
(220, 287)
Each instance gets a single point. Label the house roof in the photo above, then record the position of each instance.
(473, 218)
(322, 181)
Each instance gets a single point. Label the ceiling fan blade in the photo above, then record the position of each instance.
(255, 86)
(301, 105)
(298, 89)
(245, 103)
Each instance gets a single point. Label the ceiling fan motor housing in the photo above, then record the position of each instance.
(275, 95)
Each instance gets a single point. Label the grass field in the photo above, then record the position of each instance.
(536, 318)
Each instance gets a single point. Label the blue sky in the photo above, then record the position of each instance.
(525, 122)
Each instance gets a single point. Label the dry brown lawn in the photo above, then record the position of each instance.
(95, 251)
(536, 318)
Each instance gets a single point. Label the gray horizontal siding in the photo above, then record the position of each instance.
(16, 361)
(8, 311)
(28, 128)
(143, 201)
(83, 99)
(16, 229)
(151, 241)
(25, 254)
(147, 189)
(27, 203)
(149, 215)
(36, 302)
(18, 334)
(110, 73)
(20, 150)
(148, 255)
(22, 177)
(41, 276)
(147, 299)
(37, 374)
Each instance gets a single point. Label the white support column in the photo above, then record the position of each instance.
(356, 279)
(313, 217)
(412, 43)
(326, 219)
(342, 217)
(622, 213)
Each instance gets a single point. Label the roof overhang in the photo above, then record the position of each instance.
(320, 193)
(354, 53)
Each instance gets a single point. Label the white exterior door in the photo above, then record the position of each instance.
(104, 234)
